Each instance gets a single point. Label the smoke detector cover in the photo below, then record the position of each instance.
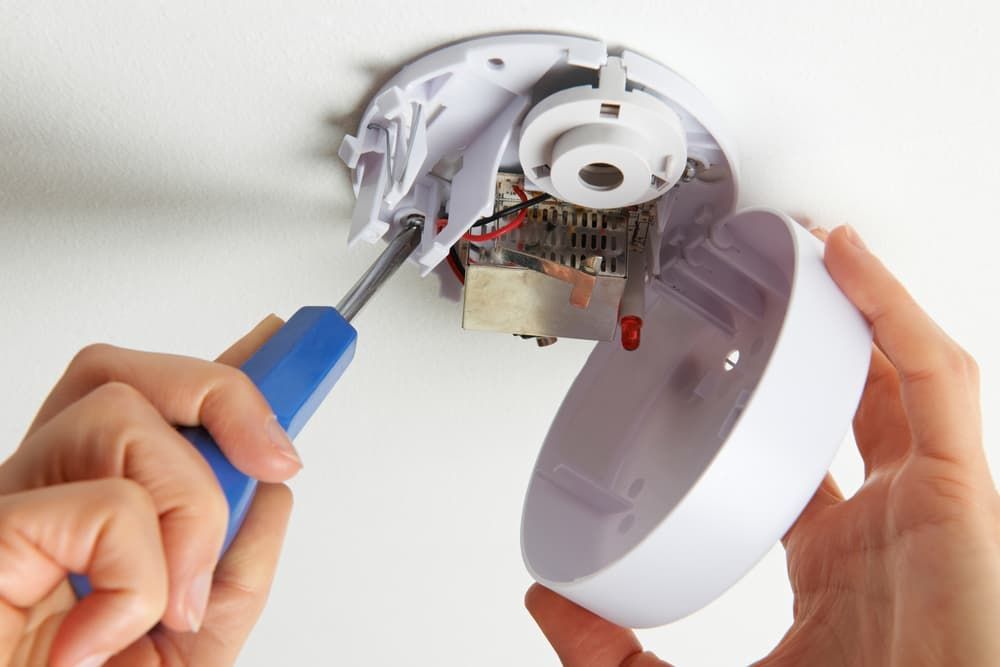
(670, 469)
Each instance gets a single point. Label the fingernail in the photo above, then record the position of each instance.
(854, 238)
(281, 440)
(95, 660)
(197, 600)
(804, 221)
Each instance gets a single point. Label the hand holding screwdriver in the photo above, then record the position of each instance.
(104, 485)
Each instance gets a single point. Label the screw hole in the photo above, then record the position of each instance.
(731, 361)
(496, 63)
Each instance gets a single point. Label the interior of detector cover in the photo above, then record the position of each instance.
(637, 185)
(638, 429)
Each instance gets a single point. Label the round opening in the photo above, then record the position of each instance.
(601, 176)
(495, 63)
(732, 359)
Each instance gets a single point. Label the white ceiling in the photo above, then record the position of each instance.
(168, 178)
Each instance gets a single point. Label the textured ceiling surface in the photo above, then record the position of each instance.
(168, 177)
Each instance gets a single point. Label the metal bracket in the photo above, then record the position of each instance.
(582, 281)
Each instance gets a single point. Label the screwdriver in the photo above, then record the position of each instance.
(295, 370)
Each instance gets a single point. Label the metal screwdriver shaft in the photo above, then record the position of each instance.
(391, 259)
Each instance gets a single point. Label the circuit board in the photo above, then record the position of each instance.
(503, 297)
(569, 234)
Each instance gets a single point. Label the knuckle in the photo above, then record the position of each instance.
(195, 507)
(147, 606)
(226, 373)
(117, 394)
(956, 361)
(119, 492)
(121, 409)
(971, 366)
(248, 592)
(236, 379)
(209, 502)
(93, 356)
(128, 500)
(129, 505)
(230, 384)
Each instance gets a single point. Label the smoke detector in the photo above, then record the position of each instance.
(580, 192)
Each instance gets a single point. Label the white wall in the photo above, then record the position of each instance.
(167, 178)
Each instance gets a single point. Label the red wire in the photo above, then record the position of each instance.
(506, 229)
(488, 236)
(451, 262)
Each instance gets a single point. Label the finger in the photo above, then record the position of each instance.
(106, 529)
(820, 232)
(241, 586)
(880, 428)
(827, 495)
(244, 348)
(803, 220)
(807, 224)
(43, 621)
(583, 639)
(243, 578)
(187, 392)
(115, 432)
(939, 381)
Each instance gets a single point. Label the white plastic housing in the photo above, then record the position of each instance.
(665, 477)
(604, 146)
(440, 130)
(668, 471)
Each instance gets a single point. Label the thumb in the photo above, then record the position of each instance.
(107, 529)
(583, 639)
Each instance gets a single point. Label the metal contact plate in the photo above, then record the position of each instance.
(522, 301)
(511, 299)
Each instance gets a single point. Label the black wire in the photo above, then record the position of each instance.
(453, 253)
(527, 203)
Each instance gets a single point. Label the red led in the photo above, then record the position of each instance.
(631, 331)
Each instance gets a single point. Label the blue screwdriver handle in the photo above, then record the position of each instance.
(294, 370)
